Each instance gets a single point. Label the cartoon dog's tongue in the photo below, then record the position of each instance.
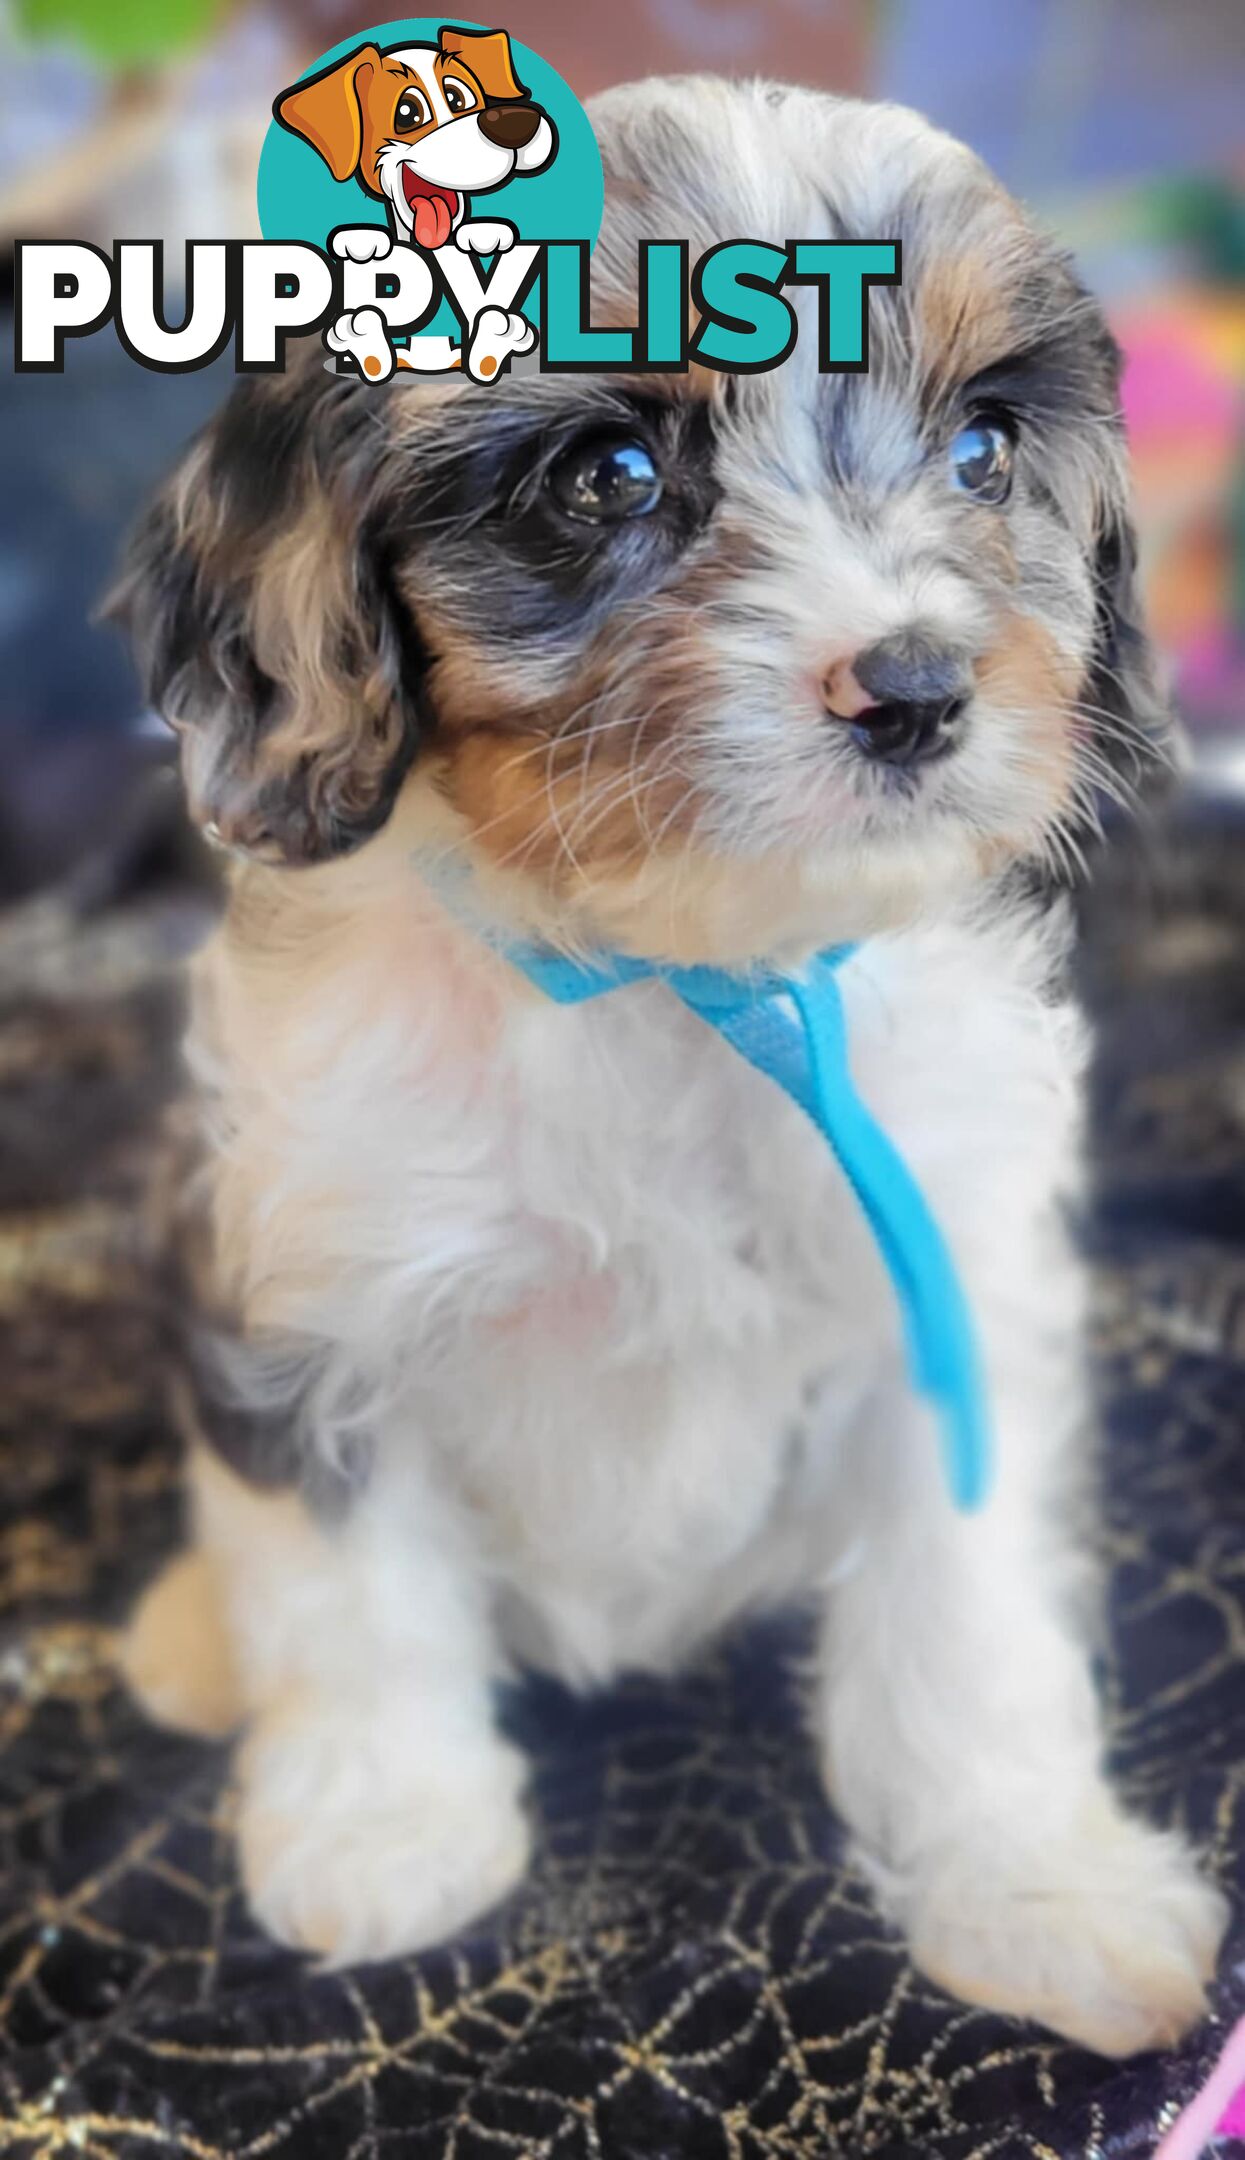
(433, 209)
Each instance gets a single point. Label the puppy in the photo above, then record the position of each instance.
(552, 1335)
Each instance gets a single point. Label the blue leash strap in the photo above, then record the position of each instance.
(792, 1028)
(940, 1338)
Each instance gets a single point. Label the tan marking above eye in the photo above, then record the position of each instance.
(461, 91)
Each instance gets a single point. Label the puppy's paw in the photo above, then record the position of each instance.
(496, 334)
(176, 1656)
(359, 1849)
(1105, 1932)
(364, 338)
(485, 236)
(362, 243)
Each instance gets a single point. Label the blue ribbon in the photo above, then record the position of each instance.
(791, 1027)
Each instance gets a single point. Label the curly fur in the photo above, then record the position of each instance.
(573, 1307)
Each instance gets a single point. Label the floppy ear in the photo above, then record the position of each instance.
(327, 111)
(487, 54)
(271, 638)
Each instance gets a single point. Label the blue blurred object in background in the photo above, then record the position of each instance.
(77, 454)
(1074, 95)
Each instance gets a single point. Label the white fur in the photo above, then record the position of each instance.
(593, 1292)
(634, 1367)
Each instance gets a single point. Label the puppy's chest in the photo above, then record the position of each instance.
(645, 1155)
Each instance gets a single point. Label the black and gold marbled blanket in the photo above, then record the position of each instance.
(693, 1973)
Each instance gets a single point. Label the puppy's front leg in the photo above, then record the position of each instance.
(379, 1809)
(961, 1734)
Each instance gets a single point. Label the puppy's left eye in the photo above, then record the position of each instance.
(982, 456)
(606, 478)
(457, 96)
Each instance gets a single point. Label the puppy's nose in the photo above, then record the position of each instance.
(903, 698)
(509, 126)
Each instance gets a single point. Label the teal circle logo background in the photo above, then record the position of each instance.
(300, 200)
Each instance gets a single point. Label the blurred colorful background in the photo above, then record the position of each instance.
(1122, 122)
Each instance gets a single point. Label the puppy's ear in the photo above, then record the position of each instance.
(487, 53)
(271, 638)
(1128, 710)
(327, 110)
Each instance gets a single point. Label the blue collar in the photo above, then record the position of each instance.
(791, 1027)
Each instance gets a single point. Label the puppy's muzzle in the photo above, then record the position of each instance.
(509, 127)
(904, 699)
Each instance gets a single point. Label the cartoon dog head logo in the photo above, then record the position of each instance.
(424, 127)
(383, 157)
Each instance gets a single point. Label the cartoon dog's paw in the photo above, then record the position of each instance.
(497, 334)
(430, 356)
(364, 339)
(362, 243)
(485, 236)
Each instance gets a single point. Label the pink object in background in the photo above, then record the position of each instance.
(1171, 387)
(1184, 401)
(1232, 2122)
(1217, 2111)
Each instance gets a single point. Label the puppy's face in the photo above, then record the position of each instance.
(694, 663)
(423, 126)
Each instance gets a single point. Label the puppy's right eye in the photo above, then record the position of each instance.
(606, 478)
(412, 111)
